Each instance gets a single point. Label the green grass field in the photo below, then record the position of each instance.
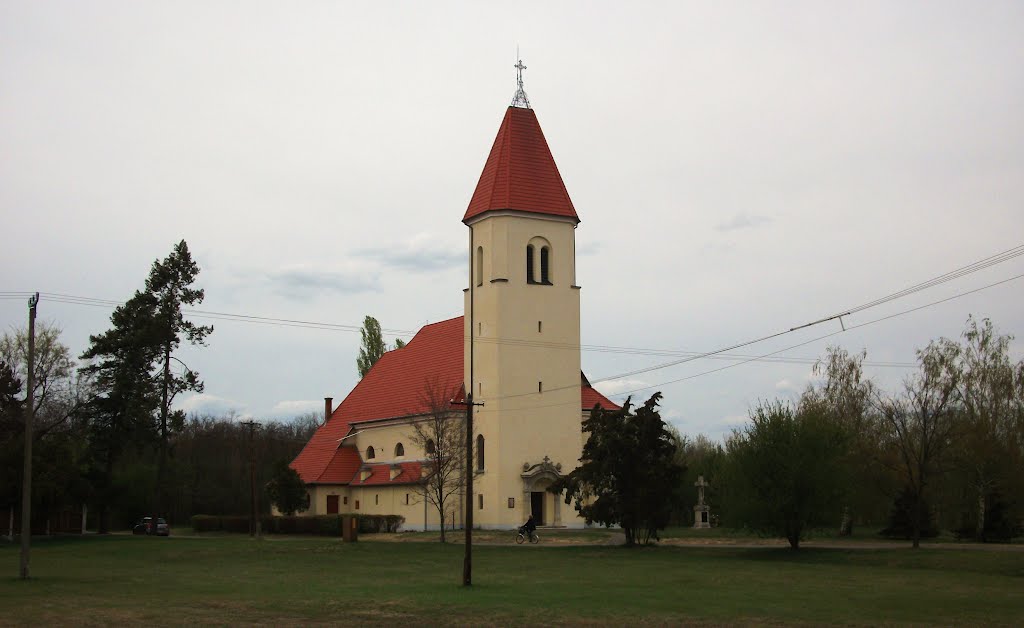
(233, 579)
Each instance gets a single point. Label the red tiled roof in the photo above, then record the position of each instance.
(410, 473)
(520, 173)
(398, 385)
(592, 397)
(342, 467)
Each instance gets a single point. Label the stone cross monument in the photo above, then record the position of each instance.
(701, 513)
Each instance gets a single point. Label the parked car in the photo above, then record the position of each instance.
(145, 526)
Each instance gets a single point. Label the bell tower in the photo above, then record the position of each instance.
(522, 327)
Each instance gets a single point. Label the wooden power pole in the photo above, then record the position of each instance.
(26, 481)
(252, 478)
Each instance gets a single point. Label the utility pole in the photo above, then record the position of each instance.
(26, 481)
(467, 562)
(252, 478)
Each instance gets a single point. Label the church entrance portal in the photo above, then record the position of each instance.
(537, 507)
(537, 501)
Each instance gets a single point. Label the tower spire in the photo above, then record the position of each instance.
(520, 100)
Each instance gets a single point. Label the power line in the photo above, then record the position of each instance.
(762, 339)
(801, 344)
(981, 264)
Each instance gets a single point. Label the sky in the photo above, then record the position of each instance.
(740, 169)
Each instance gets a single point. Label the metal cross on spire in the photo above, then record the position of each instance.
(520, 100)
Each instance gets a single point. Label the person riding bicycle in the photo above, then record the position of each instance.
(529, 527)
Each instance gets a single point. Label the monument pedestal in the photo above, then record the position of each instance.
(701, 512)
(701, 516)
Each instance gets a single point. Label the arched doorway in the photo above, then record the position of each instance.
(537, 501)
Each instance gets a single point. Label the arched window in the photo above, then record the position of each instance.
(429, 447)
(399, 450)
(479, 452)
(370, 454)
(479, 265)
(539, 261)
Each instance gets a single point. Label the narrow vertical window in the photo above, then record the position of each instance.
(480, 499)
(344, 500)
(538, 327)
(376, 500)
(480, 266)
(406, 499)
(480, 388)
(479, 329)
(540, 387)
(544, 265)
(357, 504)
(529, 263)
(480, 452)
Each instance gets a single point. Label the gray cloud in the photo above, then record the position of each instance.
(422, 252)
(743, 221)
(212, 405)
(305, 283)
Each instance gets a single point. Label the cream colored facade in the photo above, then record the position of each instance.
(406, 500)
(522, 364)
(525, 364)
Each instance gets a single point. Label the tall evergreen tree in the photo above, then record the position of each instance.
(170, 284)
(132, 366)
(629, 474)
(120, 361)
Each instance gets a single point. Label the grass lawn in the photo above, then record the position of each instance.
(233, 579)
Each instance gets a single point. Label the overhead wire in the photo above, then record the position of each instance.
(721, 353)
(1006, 255)
(302, 324)
(813, 340)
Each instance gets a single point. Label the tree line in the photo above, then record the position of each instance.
(944, 451)
(106, 434)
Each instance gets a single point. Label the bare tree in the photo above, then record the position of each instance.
(441, 434)
(59, 391)
(919, 426)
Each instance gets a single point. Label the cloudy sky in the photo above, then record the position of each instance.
(740, 169)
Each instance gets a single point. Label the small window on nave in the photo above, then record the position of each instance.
(370, 454)
(399, 450)
(429, 447)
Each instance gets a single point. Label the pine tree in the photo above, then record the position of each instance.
(131, 363)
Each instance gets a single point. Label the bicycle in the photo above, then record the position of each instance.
(521, 535)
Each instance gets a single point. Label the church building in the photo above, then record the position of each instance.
(516, 349)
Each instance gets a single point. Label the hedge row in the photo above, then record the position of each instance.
(325, 525)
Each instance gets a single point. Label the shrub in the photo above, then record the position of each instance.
(205, 523)
(900, 518)
(322, 525)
